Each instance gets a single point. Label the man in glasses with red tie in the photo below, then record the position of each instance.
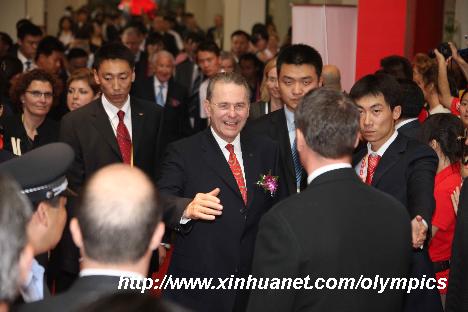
(229, 180)
(401, 167)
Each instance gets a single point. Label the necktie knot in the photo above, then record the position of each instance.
(121, 115)
(230, 148)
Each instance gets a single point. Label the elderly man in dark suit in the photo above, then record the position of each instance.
(401, 167)
(299, 71)
(167, 93)
(217, 170)
(323, 232)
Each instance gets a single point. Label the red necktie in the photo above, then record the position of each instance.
(123, 139)
(373, 161)
(237, 172)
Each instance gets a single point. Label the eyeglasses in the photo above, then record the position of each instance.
(238, 107)
(38, 94)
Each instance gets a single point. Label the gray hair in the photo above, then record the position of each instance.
(155, 56)
(15, 212)
(233, 77)
(329, 120)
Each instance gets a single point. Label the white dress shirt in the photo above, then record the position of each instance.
(404, 122)
(317, 172)
(24, 60)
(157, 83)
(110, 272)
(290, 124)
(112, 111)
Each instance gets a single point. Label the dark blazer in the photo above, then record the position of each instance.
(406, 171)
(274, 126)
(222, 247)
(82, 293)
(183, 74)
(257, 109)
(176, 117)
(412, 129)
(457, 295)
(326, 232)
(89, 131)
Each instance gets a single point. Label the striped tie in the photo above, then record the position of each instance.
(297, 164)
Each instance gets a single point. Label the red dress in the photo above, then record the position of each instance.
(440, 247)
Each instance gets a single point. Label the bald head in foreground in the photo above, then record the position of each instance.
(117, 227)
(331, 77)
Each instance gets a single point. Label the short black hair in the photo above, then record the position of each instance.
(300, 54)
(375, 85)
(74, 53)
(6, 39)
(26, 28)
(397, 66)
(193, 37)
(209, 46)
(412, 98)
(113, 51)
(240, 33)
(48, 45)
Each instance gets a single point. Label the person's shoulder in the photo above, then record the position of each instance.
(141, 104)
(264, 122)
(417, 148)
(85, 110)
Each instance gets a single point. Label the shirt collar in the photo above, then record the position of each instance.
(289, 119)
(157, 83)
(110, 272)
(324, 169)
(404, 122)
(222, 143)
(22, 58)
(112, 110)
(384, 147)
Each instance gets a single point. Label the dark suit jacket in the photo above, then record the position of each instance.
(183, 74)
(82, 293)
(176, 118)
(407, 171)
(326, 232)
(457, 296)
(89, 132)
(257, 109)
(224, 246)
(274, 126)
(411, 129)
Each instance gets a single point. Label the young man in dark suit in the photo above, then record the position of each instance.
(401, 167)
(326, 231)
(299, 71)
(217, 171)
(161, 89)
(115, 127)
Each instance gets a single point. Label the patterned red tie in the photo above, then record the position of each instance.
(237, 172)
(373, 161)
(123, 139)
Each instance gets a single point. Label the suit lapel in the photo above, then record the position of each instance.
(250, 161)
(101, 122)
(215, 159)
(389, 158)
(138, 117)
(280, 125)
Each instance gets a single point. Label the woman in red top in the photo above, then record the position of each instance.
(444, 133)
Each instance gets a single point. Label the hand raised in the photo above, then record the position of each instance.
(205, 206)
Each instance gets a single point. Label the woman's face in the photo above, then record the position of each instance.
(37, 99)
(464, 110)
(272, 83)
(66, 25)
(79, 94)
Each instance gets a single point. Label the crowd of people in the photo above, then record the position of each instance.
(137, 147)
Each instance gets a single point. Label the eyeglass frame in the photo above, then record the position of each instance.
(238, 107)
(38, 94)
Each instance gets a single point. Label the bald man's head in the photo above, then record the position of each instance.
(118, 214)
(331, 77)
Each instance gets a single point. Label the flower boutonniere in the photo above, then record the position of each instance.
(269, 183)
(174, 102)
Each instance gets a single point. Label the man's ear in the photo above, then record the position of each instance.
(25, 262)
(358, 139)
(206, 106)
(157, 236)
(396, 112)
(300, 140)
(96, 77)
(41, 214)
(133, 75)
(76, 233)
(320, 82)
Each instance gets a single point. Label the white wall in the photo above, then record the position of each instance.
(12, 11)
